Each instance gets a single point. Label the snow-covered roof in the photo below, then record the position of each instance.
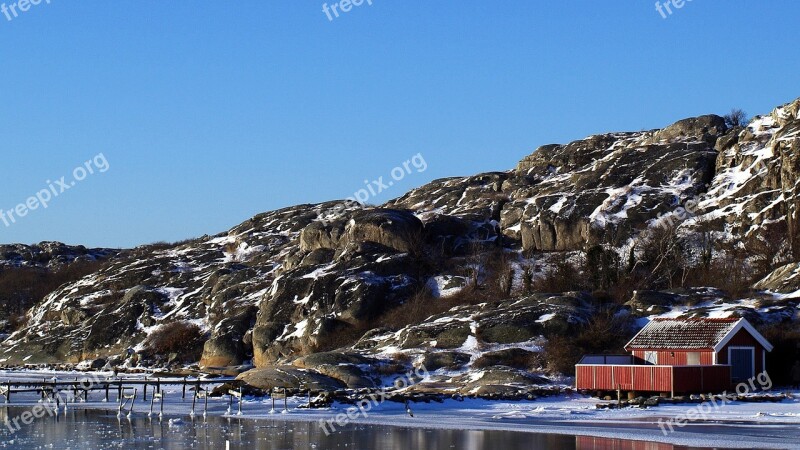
(692, 334)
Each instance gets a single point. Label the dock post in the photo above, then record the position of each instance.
(160, 397)
(285, 401)
(133, 402)
(158, 385)
(107, 384)
(183, 393)
(144, 397)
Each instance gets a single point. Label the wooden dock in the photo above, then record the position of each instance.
(80, 388)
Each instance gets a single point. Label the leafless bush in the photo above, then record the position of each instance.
(415, 310)
(602, 267)
(769, 248)
(344, 335)
(731, 271)
(21, 288)
(736, 118)
(606, 333)
(560, 276)
(660, 257)
(182, 338)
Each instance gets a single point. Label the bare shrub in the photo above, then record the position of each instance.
(736, 118)
(415, 310)
(606, 333)
(602, 267)
(730, 271)
(21, 288)
(768, 249)
(561, 276)
(344, 335)
(661, 261)
(182, 338)
(498, 273)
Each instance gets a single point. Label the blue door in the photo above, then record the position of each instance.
(742, 362)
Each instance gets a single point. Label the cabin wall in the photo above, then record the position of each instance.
(743, 339)
(625, 378)
(666, 379)
(678, 357)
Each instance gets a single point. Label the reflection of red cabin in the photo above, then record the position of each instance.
(679, 356)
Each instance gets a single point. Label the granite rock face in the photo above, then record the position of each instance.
(303, 293)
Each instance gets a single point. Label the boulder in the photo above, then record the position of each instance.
(501, 377)
(396, 229)
(707, 127)
(443, 360)
(321, 235)
(72, 316)
(516, 358)
(288, 377)
(226, 347)
(354, 377)
(784, 279)
(330, 358)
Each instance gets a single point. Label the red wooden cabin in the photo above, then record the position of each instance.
(679, 356)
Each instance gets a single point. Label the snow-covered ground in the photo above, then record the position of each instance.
(736, 425)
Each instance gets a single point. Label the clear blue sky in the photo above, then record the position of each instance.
(211, 112)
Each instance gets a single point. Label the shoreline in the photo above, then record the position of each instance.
(736, 425)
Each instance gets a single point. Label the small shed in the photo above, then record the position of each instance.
(680, 356)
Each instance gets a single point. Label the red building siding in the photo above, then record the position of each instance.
(678, 357)
(609, 378)
(702, 379)
(743, 339)
(677, 379)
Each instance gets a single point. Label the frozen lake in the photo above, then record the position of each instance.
(98, 429)
(550, 422)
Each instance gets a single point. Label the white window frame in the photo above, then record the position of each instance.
(651, 357)
(699, 358)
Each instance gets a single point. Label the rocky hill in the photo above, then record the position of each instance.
(489, 280)
(29, 272)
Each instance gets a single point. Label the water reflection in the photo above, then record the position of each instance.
(89, 429)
